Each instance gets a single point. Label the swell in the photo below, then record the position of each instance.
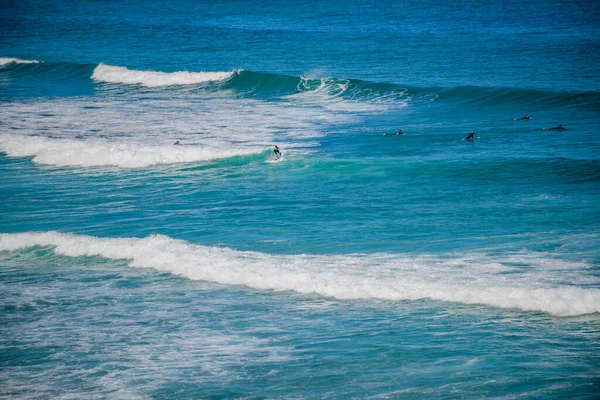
(473, 278)
(261, 84)
(481, 171)
(36, 69)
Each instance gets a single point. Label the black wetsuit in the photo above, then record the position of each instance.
(470, 136)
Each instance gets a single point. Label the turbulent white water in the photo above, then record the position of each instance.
(473, 278)
(129, 133)
(98, 152)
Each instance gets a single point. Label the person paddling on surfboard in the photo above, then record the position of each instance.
(395, 134)
(527, 117)
(177, 143)
(276, 152)
(556, 128)
(470, 136)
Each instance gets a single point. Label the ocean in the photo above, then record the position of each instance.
(359, 265)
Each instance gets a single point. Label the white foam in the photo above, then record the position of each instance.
(470, 280)
(8, 60)
(93, 153)
(332, 94)
(125, 131)
(113, 74)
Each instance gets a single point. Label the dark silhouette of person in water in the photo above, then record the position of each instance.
(276, 152)
(395, 134)
(527, 117)
(470, 136)
(558, 128)
(177, 143)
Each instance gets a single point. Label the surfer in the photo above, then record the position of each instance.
(276, 152)
(395, 134)
(177, 143)
(556, 128)
(470, 136)
(527, 117)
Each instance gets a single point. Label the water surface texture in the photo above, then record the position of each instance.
(361, 264)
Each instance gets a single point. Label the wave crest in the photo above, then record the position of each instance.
(112, 74)
(9, 60)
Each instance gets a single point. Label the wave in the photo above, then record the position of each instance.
(111, 74)
(328, 91)
(522, 97)
(96, 152)
(9, 60)
(473, 279)
(331, 93)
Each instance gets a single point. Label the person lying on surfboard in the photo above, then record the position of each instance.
(177, 143)
(556, 128)
(470, 136)
(276, 152)
(527, 117)
(395, 134)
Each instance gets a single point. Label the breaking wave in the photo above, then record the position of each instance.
(9, 60)
(473, 279)
(112, 74)
(334, 93)
(95, 153)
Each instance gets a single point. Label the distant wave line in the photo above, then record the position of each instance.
(312, 89)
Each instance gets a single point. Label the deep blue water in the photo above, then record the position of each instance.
(359, 265)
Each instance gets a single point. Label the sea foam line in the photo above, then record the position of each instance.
(114, 74)
(379, 276)
(97, 153)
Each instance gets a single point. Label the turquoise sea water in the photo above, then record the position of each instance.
(358, 265)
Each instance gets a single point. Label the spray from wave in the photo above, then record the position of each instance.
(112, 74)
(378, 276)
(346, 95)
